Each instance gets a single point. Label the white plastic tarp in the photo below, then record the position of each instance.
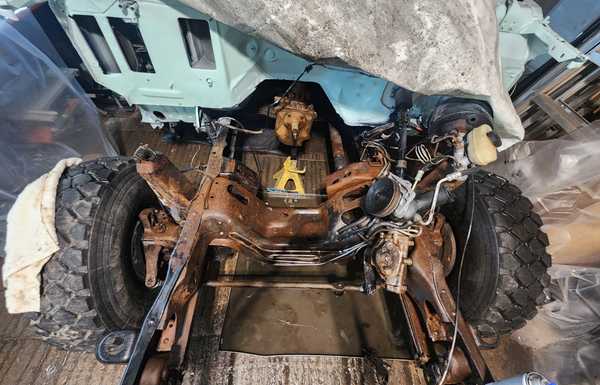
(431, 47)
(46, 117)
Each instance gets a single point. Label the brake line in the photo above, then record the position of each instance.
(460, 267)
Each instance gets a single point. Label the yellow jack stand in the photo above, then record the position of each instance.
(287, 173)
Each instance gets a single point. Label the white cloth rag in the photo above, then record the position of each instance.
(31, 240)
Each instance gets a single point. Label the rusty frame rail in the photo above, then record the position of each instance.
(224, 211)
(174, 306)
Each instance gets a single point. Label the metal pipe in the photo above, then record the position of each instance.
(340, 160)
(272, 284)
(448, 178)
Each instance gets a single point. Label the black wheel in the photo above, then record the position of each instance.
(95, 282)
(504, 275)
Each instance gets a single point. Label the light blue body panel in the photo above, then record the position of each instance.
(176, 89)
(525, 34)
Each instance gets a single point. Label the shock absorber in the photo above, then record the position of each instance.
(402, 124)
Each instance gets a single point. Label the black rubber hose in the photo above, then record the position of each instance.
(423, 201)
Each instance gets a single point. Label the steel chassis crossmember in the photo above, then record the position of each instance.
(223, 210)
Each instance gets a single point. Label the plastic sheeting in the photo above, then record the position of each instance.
(427, 46)
(561, 177)
(565, 337)
(46, 116)
(542, 167)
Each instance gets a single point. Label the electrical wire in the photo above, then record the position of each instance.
(410, 232)
(457, 302)
(198, 170)
(258, 166)
(194, 158)
(380, 148)
(437, 139)
(306, 70)
(226, 121)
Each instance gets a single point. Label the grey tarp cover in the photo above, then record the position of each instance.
(428, 46)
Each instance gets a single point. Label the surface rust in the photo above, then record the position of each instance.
(26, 360)
(168, 183)
(459, 368)
(225, 211)
(340, 160)
(355, 174)
(190, 252)
(418, 337)
(293, 120)
(426, 282)
(159, 237)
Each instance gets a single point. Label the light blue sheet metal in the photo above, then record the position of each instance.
(524, 35)
(175, 89)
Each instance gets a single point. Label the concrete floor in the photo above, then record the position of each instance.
(24, 360)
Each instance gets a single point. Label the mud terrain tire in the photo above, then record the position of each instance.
(504, 275)
(91, 285)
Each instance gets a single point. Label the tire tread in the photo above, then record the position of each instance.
(523, 279)
(67, 318)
